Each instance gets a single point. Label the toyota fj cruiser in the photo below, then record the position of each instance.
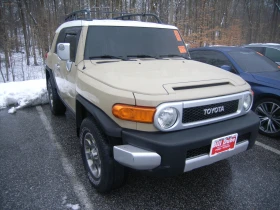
(140, 103)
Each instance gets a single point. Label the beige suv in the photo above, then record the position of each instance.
(140, 103)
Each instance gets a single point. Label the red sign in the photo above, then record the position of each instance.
(223, 144)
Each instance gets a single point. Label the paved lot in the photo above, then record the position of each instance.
(41, 168)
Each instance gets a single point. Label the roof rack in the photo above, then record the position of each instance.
(129, 15)
(85, 14)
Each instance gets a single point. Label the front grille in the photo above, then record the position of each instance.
(206, 112)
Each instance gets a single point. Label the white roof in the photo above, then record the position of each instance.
(113, 23)
(265, 44)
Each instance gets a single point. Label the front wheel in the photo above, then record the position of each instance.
(103, 171)
(268, 111)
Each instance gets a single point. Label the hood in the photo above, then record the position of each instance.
(150, 76)
(271, 78)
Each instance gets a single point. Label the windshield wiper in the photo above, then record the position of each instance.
(109, 57)
(143, 56)
(174, 55)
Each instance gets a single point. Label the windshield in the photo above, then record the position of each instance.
(125, 42)
(253, 62)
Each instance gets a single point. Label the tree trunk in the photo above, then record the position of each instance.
(171, 12)
(65, 7)
(16, 40)
(33, 47)
(1, 70)
(23, 23)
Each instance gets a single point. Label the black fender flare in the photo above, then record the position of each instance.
(51, 76)
(110, 127)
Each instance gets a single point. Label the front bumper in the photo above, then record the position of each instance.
(180, 151)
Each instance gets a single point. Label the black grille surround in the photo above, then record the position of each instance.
(198, 113)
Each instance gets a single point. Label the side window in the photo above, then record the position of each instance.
(60, 39)
(211, 57)
(72, 39)
(272, 54)
(198, 56)
(217, 59)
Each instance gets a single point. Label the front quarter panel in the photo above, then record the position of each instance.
(259, 88)
(104, 97)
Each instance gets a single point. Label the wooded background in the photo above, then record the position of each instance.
(28, 26)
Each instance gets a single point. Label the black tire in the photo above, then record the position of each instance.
(259, 108)
(105, 174)
(56, 105)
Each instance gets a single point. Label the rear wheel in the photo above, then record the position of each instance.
(103, 171)
(56, 105)
(268, 111)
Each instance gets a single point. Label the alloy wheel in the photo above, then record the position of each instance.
(269, 114)
(92, 155)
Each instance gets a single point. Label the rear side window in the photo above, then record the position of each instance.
(273, 54)
(258, 49)
(211, 57)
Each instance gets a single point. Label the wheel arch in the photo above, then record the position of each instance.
(264, 96)
(49, 75)
(84, 109)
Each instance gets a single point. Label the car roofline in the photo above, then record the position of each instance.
(122, 23)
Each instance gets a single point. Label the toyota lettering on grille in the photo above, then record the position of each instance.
(214, 110)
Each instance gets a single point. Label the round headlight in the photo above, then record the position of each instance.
(167, 117)
(248, 100)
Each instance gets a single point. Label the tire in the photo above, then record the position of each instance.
(56, 105)
(268, 110)
(102, 170)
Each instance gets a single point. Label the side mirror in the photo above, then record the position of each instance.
(63, 51)
(226, 67)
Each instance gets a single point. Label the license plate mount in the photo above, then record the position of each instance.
(223, 144)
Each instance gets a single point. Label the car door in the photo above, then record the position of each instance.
(68, 69)
(56, 64)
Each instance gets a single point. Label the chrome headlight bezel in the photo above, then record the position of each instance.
(158, 116)
(247, 102)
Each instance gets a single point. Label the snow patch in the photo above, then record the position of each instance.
(12, 110)
(23, 94)
(74, 207)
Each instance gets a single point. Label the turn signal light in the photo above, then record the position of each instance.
(134, 113)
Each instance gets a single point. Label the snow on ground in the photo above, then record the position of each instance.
(20, 69)
(23, 94)
(74, 207)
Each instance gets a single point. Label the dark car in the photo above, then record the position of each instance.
(270, 50)
(260, 72)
